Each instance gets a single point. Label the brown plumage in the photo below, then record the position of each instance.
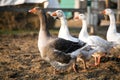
(51, 49)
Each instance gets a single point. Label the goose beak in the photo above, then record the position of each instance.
(76, 18)
(103, 12)
(32, 10)
(54, 14)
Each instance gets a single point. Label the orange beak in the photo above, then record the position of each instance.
(76, 17)
(103, 12)
(32, 10)
(54, 14)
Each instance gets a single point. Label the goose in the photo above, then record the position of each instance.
(65, 34)
(60, 53)
(100, 45)
(64, 31)
(112, 34)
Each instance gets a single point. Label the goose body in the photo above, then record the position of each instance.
(65, 34)
(60, 53)
(112, 34)
(98, 44)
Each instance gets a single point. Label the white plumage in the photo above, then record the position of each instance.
(112, 34)
(98, 43)
(64, 31)
(65, 34)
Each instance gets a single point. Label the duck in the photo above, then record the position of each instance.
(100, 45)
(65, 34)
(60, 53)
(112, 34)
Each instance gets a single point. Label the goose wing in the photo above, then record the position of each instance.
(97, 41)
(60, 57)
(66, 45)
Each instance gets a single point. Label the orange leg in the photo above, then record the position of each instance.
(75, 68)
(98, 62)
(84, 63)
(54, 71)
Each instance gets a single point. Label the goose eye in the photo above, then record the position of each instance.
(59, 12)
(81, 15)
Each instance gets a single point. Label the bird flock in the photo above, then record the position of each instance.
(64, 51)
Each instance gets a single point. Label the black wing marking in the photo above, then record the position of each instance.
(66, 45)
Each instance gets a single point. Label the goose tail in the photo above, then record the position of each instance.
(78, 51)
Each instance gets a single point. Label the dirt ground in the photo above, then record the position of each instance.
(20, 60)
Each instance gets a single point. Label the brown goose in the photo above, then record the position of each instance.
(60, 53)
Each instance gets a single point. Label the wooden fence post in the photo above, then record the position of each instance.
(118, 10)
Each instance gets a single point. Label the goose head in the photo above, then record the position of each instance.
(35, 10)
(58, 13)
(81, 16)
(107, 11)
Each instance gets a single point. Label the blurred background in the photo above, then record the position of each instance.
(14, 15)
(19, 55)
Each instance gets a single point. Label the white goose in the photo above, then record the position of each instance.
(100, 45)
(65, 34)
(60, 53)
(64, 31)
(112, 34)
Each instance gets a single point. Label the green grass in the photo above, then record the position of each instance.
(54, 31)
(17, 32)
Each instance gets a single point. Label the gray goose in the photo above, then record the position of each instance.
(60, 53)
(65, 34)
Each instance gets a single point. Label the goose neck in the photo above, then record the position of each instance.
(64, 31)
(64, 28)
(112, 19)
(112, 27)
(83, 33)
(84, 26)
(63, 21)
(43, 25)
